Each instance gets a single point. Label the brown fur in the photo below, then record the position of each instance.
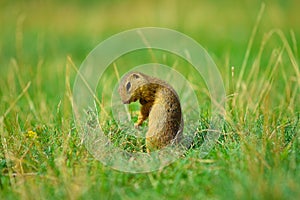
(160, 102)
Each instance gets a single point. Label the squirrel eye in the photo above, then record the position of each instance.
(128, 85)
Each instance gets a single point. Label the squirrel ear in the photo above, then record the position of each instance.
(135, 76)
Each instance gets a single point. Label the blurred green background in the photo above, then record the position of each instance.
(44, 33)
(53, 29)
(257, 155)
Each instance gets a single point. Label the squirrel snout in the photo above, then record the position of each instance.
(126, 101)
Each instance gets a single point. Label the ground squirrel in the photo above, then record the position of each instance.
(160, 102)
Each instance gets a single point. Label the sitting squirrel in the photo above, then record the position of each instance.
(160, 102)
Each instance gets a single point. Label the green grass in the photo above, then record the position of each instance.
(258, 153)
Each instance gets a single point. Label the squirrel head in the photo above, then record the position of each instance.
(130, 85)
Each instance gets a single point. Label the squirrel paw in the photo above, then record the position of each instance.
(137, 126)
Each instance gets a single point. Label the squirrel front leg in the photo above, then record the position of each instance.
(144, 113)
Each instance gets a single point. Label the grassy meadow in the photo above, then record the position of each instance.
(255, 46)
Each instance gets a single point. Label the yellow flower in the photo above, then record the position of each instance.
(31, 134)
